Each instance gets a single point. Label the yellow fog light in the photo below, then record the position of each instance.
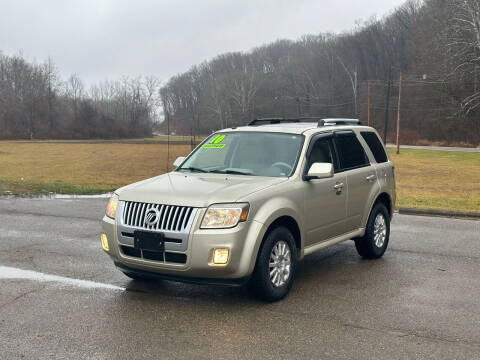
(219, 256)
(104, 239)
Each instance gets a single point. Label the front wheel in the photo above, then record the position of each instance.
(276, 264)
(377, 233)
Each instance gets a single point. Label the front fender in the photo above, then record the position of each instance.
(268, 211)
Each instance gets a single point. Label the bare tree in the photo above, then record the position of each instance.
(465, 46)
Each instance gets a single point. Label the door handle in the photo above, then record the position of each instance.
(338, 186)
(371, 178)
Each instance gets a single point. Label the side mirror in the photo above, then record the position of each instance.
(178, 161)
(320, 171)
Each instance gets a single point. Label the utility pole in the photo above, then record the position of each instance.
(168, 139)
(387, 106)
(398, 113)
(356, 92)
(369, 104)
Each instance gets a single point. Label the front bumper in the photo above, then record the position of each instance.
(160, 276)
(242, 242)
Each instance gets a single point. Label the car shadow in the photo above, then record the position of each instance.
(339, 264)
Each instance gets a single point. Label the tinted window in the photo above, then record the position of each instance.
(350, 151)
(375, 146)
(321, 152)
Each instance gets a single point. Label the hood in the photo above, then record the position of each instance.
(195, 189)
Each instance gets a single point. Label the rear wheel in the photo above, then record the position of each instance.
(276, 264)
(377, 233)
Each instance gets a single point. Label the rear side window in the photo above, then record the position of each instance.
(375, 146)
(350, 151)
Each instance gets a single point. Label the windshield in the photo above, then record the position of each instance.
(247, 153)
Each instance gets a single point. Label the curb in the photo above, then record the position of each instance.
(443, 213)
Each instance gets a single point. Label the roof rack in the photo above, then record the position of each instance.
(263, 121)
(325, 122)
(320, 121)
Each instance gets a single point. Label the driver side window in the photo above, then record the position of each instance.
(321, 152)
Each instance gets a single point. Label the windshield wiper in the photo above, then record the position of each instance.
(195, 169)
(228, 171)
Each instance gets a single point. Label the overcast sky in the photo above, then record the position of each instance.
(105, 39)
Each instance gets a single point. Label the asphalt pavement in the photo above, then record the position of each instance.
(62, 298)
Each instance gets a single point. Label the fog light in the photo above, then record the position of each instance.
(219, 256)
(104, 239)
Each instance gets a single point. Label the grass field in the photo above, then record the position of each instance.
(425, 178)
(437, 179)
(80, 168)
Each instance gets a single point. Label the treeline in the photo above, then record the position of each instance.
(433, 44)
(35, 103)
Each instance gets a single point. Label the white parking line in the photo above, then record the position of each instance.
(14, 273)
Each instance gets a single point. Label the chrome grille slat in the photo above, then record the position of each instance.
(160, 211)
(172, 221)
(144, 209)
(132, 210)
(168, 218)
(132, 213)
(136, 213)
(187, 216)
(179, 219)
(127, 209)
(167, 213)
(155, 227)
(141, 215)
(172, 218)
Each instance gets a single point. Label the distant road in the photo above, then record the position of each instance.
(442, 148)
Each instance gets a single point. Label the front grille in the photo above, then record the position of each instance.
(170, 240)
(131, 251)
(170, 217)
(156, 256)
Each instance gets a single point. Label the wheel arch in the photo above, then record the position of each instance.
(281, 219)
(385, 199)
(285, 220)
(291, 224)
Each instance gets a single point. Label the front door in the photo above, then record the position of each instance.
(325, 199)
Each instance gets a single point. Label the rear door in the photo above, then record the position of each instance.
(385, 169)
(361, 177)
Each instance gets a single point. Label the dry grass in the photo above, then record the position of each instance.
(425, 178)
(437, 179)
(82, 168)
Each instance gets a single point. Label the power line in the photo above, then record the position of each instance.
(395, 108)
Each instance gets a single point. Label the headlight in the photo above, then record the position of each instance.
(112, 206)
(222, 216)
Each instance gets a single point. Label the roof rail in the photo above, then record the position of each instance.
(325, 122)
(320, 121)
(263, 121)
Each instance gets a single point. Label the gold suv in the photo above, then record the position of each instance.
(250, 202)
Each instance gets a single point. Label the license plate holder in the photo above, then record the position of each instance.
(148, 240)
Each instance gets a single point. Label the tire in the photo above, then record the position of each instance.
(374, 243)
(276, 287)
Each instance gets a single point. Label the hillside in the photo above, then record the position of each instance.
(434, 44)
